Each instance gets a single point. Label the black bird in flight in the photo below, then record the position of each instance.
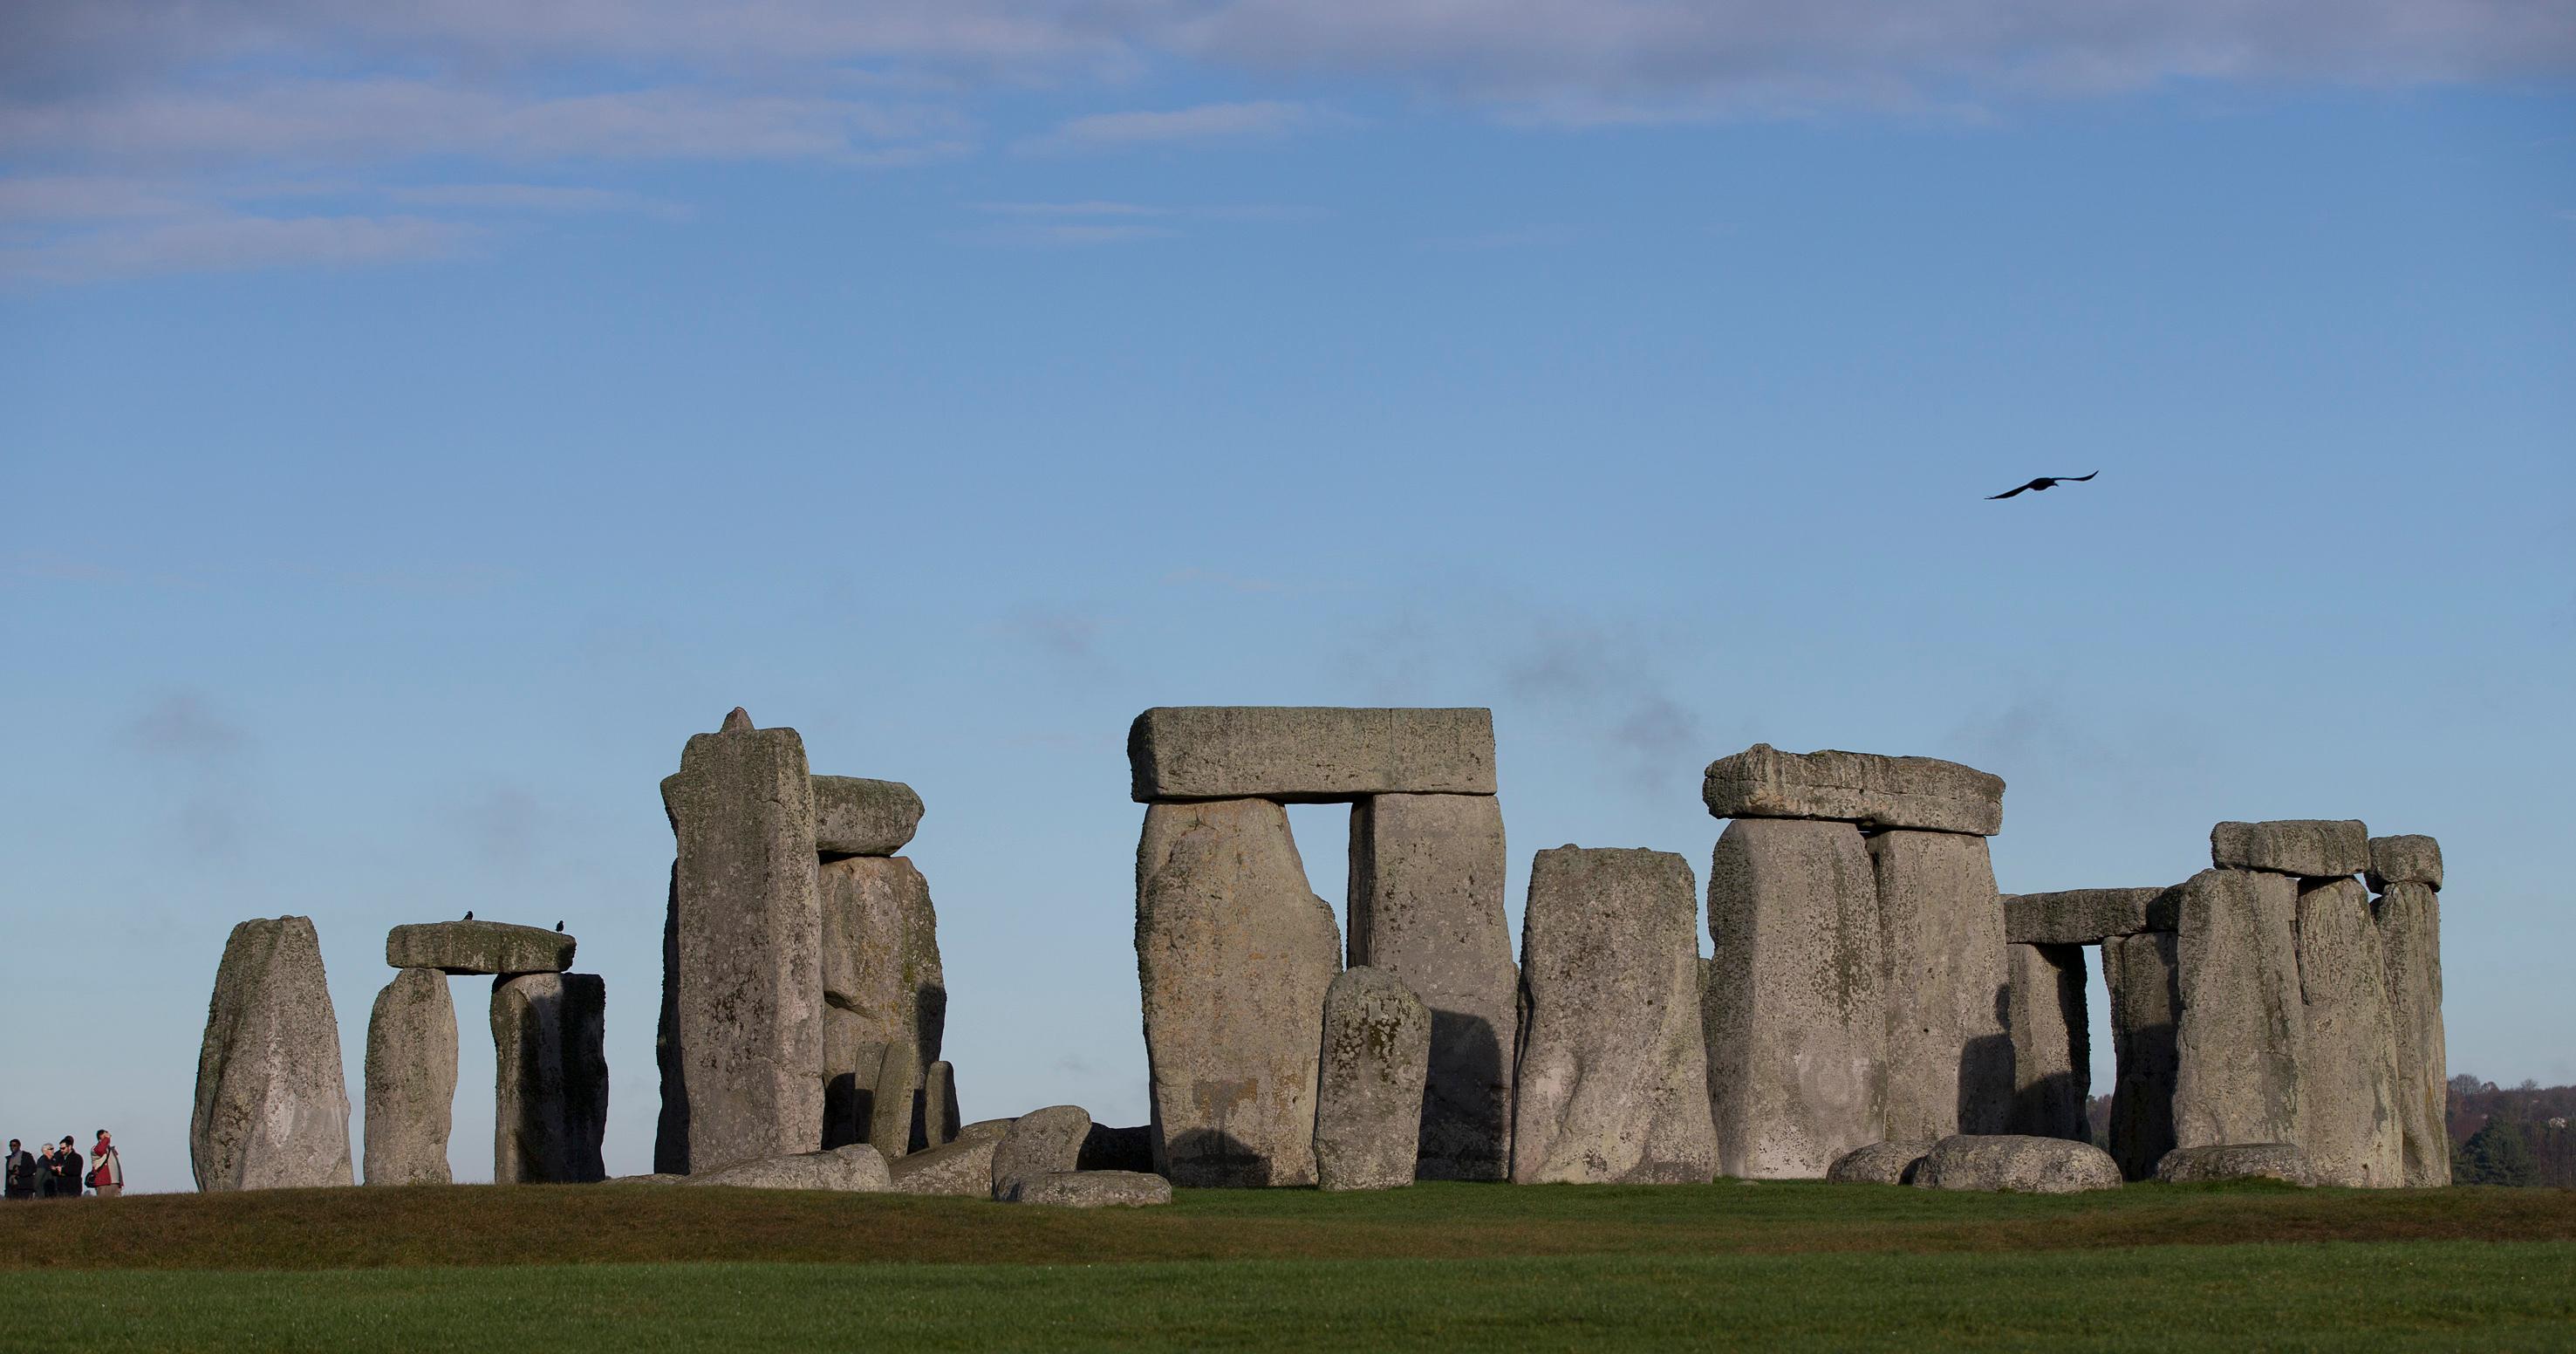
(2043, 482)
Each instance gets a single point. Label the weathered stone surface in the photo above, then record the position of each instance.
(856, 1169)
(550, 1078)
(2313, 848)
(1090, 1189)
(855, 816)
(895, 1099)
(2143, 977)
(2086, 916)
(1426, 904)
(2281, 1161)
(272, 1109)
(1855, 787)
(1039, 1142)
(478, 947)
(2052, 1041)
(2348, 1115)
(1796, 1014)
(2239, 1040)
(671, 1123)
(1117, 1149)
(2410, 947)
(411, 1080)
(747, 946)
(1368, 1107)
(1613, 1069)
(2020, 1164)
(1880, 1163)
(938, 1122)
(963, 1167)
(2404, 860)
(1233, 955)
(1308, 754)
(883, 984)
(1941, 946)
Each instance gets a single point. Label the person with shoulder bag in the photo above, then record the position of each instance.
(106, 1167)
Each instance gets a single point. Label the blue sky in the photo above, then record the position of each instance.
(414, 427)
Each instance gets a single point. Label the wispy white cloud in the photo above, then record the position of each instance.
(225, 242)
(1264, 118)
(533, 197)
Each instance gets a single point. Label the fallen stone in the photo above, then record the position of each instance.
(1796, 1014)
(895, 1100)
(854, 816)
(2142, 973)
(883, 984)
(478, 947)
(2051, 1039)
(1426, 904)
(985, 1130)
(657, 1178)
(1090, 1189)
(1880, 1163)
(856, 1169)
(747, 947)
(1039, 1142)
(1308, 754)
(2086, 916)
(2404, 860)
(963, 1167)
(1233, 955)
(2018, 1164)
(2348, 1113)
(1376, 1057)
(1117, 1149)
(939, 1120)
(2312, 848)
(2238, 1043)
(1855, 787)
(1941, 946)
(2410, 947)
(272, 1109)
(411, 1080)
(2281, 1161)
(1613, 1069)
(550, 1078)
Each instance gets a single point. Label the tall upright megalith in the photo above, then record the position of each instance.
(2143, 974)
(2051, 1040)
(1234, 953)
(2349, 1117)
(272, 1107)
(883, 985)
(744, 957)
(411, 1079)
(2407, 872)
(1376, 1054)
(1941, 929)
(550, 1078)
(1426, 905)
(1796, 1012)
(2242, 1031)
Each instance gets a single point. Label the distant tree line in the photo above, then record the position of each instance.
(2512, 1136)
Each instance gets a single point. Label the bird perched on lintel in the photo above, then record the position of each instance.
(2043, 482)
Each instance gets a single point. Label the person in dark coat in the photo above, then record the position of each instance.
(21, 1172)
(67, 1170)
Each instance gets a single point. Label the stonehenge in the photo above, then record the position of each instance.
(1873, 1008)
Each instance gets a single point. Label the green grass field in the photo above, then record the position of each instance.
(1773, 1266)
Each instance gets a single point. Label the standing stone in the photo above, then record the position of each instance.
(1855, 787)
(895, 1099)
(748, 942)
(1376, 1058)
(1233, 955)
(671, 1126)
(2410, 945)
(272, 1109)
(939, 1118)
(2144, 980)
(550, 1078)
(1426, 905)
(2348, 1112)
(2312, 848)
(2237, 1046)
(2052, 1041)
(1796, 1012)
(411, 1080)
(1941, 935)
(1308, 754)
(883, 984)
(1613, 1068)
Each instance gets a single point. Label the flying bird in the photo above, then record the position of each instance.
(2043, 482)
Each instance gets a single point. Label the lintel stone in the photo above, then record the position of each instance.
(479, 948)
(1855, 787)
(1300, 754)
(2311, 848)
(2087, 916)
(2404, 860)
(855, 816)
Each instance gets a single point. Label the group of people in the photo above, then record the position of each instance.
(56, 1172)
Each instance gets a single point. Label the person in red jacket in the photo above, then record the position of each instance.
(106, 1167)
